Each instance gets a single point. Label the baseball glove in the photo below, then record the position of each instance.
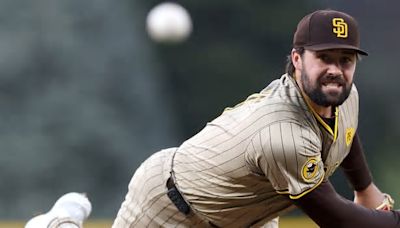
(387, 203)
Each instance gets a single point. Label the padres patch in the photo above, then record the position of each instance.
(349, 135)
(310, 169)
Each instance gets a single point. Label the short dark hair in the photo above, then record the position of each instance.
(289, 64)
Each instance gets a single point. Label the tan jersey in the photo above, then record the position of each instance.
(235, 171)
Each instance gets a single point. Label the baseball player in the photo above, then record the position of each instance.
(273, 152)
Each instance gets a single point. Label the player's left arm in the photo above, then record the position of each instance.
(356, 169)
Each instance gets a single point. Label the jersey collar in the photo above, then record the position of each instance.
(333, 132)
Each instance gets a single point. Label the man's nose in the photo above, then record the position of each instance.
(334, 69)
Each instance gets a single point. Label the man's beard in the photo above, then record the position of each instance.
(315, 93)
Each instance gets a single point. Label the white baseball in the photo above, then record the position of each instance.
(169, 23)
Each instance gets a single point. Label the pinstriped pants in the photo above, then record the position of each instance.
(147, 204)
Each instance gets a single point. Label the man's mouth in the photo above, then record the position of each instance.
(332, 84)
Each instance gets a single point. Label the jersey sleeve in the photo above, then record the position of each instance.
(288, 154)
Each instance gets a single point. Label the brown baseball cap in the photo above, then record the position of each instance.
(328, 29)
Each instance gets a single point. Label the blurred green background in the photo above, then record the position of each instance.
(86, 96)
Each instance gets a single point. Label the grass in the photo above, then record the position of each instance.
(285, 222)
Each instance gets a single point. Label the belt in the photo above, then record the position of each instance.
(176, 197)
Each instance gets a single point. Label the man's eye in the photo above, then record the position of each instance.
(346, 60)
(324, 58)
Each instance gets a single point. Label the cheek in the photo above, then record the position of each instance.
(349, 72)
(349, 75)
(314, 68)
(314, 73)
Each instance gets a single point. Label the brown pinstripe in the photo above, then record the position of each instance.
(146, 204)
(237, 170)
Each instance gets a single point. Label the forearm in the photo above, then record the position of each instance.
(328, 209)
(370, 197)
(355, 166)
(356, 169)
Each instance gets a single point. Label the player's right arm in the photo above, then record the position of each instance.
(356, 169)
(291, 162)
(328, 209)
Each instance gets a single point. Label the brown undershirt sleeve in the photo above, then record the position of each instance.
(355, 166)
(330, 210)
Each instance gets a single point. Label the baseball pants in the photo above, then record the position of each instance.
(147, 204)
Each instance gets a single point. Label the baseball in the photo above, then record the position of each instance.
(169, 23)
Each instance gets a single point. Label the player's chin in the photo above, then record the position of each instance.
(335, 99)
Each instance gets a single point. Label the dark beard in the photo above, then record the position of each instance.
(314, 91)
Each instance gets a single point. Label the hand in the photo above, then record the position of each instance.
(387, 204)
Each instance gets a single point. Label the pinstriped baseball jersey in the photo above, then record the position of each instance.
(236, 171)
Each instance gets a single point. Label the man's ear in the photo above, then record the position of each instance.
(296, 60)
